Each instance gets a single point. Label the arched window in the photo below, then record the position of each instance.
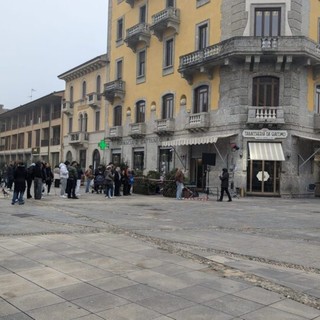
(201, 99)
(96, 158)
(117, 116)
(265, 92)
(140, 111)
(167, 106)
(98, 87)
(85, 123)
(69, 156)
(80, 121)
(84, 90)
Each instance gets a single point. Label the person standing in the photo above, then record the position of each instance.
(29, 180)
(9, 174)
(56, 176)
(72, 180)
(117, 182)
(64, 175)
(19, 178)
(224, 177)
(38, 178)
(79, 177)
(89, 177)
(179, 177)
(49, 177)
(109, 182)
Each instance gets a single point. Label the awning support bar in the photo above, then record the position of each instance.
(305, 161)
(224, 161)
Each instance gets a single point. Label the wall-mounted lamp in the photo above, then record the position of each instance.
(128, 111)
(153, 106)
(240, 155)
(288, 155)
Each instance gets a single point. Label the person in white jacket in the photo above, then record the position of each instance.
(64, 175)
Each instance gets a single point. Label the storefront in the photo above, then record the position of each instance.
(264, 161)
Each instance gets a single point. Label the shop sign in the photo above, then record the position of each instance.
(265, 134)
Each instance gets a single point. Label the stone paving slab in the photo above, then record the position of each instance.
(72, 272)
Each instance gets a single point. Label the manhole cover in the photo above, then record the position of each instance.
(23, 215)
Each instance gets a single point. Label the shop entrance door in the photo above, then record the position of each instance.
(263, 177)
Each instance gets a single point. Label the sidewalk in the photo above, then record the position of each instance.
(70, 269)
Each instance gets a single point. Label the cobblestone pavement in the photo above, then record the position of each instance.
(150, 257)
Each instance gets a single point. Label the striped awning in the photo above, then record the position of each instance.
(194, 140)
(266, 151)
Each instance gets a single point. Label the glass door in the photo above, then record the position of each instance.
(263, 177)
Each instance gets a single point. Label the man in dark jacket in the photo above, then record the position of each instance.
(224, 177)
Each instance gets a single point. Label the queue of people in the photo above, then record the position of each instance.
(67, 176)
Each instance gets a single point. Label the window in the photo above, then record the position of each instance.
(141, 64)
(201, 99)
(267, 22)
(97, 121)
(98, 87)
(168, 53)
(37, 138)
(71, 94)
(119, 66)
(117, 116)
(167, 106)
(84, 89)
(265, 92)
(143, 14)
(202, 36)
(80, 122)
(170, 3)
(70, 124)
(202, 2)
(29, 139)
(140, 111)
(85, 123)
(138, 160)
(119, 29)
(318, 98)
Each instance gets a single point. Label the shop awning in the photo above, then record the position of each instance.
(195, 140)
(266, 151)
(306, 137)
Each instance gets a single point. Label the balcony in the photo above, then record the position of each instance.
(136, 34)
(115, 133)
(164, 20)
(79, 138)
(265, 115)
(67, 107)
(114, 89)
(165, 127)
(137, 130)
(45, 143)
(131, 2)
(55, 141)
(251, 51)
(94, 100)
(316, 122)
(198, 122)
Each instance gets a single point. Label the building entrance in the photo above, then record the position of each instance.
(263, 177)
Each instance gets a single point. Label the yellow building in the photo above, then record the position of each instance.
(32, 131)
(84, 112)
(203, 85)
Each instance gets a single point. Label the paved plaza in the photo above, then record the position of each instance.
(149, 257)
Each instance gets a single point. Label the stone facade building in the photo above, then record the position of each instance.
(32, 131)
(203, 85)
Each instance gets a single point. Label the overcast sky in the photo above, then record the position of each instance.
(40, 39)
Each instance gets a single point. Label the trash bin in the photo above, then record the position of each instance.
(317, 189)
